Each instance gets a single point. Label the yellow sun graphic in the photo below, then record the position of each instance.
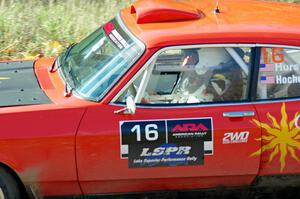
(281, 138)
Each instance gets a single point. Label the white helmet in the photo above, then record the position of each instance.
(211, 57)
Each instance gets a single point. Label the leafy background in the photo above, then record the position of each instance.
(30, 28)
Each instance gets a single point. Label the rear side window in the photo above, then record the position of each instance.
(279, 73)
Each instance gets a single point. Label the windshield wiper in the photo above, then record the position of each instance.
(70, 47)
(53, 66)
(69, 88)
(68, 91)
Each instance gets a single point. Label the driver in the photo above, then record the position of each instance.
(209, 76)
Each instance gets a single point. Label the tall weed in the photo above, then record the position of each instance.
(32, 27)
(45, 27)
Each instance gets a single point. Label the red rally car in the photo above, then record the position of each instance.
(168, 95)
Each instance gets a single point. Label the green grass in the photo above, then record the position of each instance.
(31, 27)
(44, 27)
(290, 1)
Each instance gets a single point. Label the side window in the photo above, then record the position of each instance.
(197, 75)
(279, 73)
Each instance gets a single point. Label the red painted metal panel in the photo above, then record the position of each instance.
(99, 161)
(155, 11)
(280, 141)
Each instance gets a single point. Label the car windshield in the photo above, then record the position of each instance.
(94, 65)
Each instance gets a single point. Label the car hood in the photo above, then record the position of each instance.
(19, 86)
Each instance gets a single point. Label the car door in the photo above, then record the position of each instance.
(278, 108)
(192, 127)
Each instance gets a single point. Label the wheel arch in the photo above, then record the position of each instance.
(15, 175)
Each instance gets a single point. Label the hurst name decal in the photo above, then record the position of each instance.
(161, 143)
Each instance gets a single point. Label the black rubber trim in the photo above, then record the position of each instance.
(276, 182)
(254, 73)
(286, 180)
(65, 197)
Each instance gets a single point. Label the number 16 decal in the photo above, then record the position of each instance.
(277, 55)
(151, 133)
(141, 132)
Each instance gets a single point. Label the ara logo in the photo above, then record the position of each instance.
(236, 137)
(189, 127)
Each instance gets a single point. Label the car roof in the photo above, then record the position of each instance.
(244, 21)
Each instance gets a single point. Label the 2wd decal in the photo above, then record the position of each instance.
(166, 142)
(236, 137)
